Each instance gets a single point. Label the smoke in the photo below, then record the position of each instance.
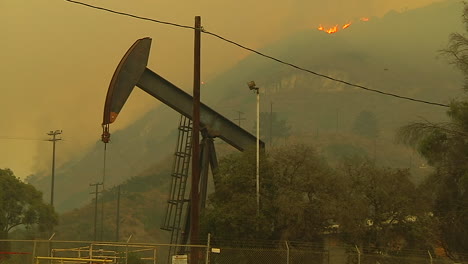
(58, 58)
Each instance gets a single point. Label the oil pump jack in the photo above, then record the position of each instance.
(131, 72)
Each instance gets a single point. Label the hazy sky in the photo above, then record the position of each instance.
(57, 58)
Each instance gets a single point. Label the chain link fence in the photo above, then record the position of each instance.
(271, 252)
(53, 251)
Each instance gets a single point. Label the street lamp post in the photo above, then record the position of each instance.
(253, 87)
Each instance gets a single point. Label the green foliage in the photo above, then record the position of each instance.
(22, 204)
(366, 124)
(235, 185)
(379, 207)
(445, 146)
(302, 199)
(457, 51)
(294, 196)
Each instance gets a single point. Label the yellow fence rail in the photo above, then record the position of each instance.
(73, 260)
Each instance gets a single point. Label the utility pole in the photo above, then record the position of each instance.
(336, 120)
(103, 189)
(239, 119)
(195, 196)
(54, 139)
(271, 123)
(253, 87)
(117, 219)
(102, 211)
(96, 193)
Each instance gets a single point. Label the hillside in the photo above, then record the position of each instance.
(389, 54)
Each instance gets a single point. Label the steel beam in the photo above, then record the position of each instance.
(216, 124)
(132, 71)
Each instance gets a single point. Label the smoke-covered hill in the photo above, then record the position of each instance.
(397, 53)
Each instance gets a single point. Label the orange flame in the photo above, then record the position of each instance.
(332, 30)
(337, 28)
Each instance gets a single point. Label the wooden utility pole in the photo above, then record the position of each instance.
(117, 219)
(96, 193)
(54, 139)
(103, 189)
(195, 196)
(271, 123)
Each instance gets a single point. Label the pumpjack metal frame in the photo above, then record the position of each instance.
(132, 71)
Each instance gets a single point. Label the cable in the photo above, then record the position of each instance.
(324, 76)
(264, 55)
(14, 138)
(130, 15)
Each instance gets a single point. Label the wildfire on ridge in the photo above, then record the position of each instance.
(332, 30)
(337, 28)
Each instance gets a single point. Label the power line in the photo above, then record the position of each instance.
(130, 15)
(18, 138)
(264, 55)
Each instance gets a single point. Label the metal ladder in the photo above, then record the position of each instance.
(180, 169)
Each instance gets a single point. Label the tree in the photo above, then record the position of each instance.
(21, 205)
(296, 190)
(231, 211)
(445, 146)
(380, 207)
(305, 193)
(456, 50)
(366, 124)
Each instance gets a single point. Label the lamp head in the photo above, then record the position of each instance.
(252, 85)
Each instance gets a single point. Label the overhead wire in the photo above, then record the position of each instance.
(19, 138)
(264, 55)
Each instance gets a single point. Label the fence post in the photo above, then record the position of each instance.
(359, 254)
(90, 252)
(287, 252)
(50, 246)
(154, 255)
(34, 251)
(430, 256)
(207, 261)
(126, 249)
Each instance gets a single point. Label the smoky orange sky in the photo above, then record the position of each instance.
(57, 58)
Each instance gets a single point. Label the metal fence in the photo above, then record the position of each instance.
(269, 256)
(54, 251)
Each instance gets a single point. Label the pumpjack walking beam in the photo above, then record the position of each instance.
(132, 71)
